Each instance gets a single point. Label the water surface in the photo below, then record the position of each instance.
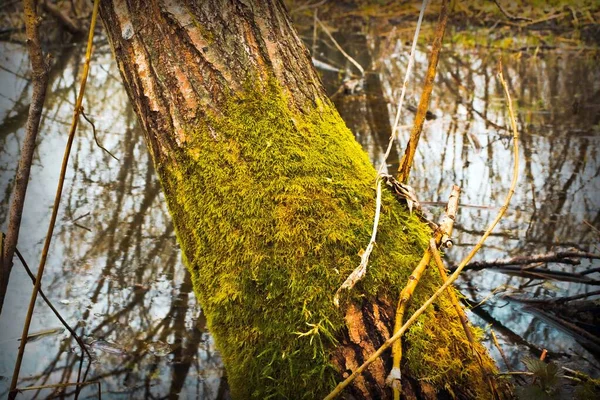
(115, 270)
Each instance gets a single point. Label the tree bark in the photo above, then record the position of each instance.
(272, 200)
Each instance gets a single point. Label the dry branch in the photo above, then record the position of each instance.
(411, 147)
(571, 257)
(340, 387)
(39, 78)
(441, 236)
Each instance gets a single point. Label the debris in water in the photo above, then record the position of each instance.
(159, 348)
(48, 332)
(107, 347)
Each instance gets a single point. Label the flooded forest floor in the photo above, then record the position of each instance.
(115, 270)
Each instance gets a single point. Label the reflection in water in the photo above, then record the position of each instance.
(467, 142)
(114, 269)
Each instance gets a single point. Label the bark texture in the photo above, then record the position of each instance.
(272, 200)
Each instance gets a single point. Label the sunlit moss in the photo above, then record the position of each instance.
(271, 208)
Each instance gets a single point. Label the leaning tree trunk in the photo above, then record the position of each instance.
(273, 199)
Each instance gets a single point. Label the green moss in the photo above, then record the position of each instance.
(271, 208)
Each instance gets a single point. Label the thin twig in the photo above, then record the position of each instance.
(360, 271)
(40, 82)
(411, 147)
(352, 60)
(509, 16)
(95, 136)
(411, 60)
(591, 226)
(502, 354)
(51, 306)
(63, 171)
(338, 389)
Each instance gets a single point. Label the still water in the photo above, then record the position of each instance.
(115, 270)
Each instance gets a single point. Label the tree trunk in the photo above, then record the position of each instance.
(272, 200)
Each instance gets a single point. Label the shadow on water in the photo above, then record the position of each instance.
(115, 270)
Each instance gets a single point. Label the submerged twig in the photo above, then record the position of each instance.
(95, 136)
(352, 60)
(389, 342)
(509, 16)
(64, 385)
(54, 310)
(63, 171)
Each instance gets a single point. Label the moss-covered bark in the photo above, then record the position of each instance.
(273, 199)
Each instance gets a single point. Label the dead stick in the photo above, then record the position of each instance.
(39, 69)
(453, 299)
(564, 257)
(338, 389)
(495, 341)
(441, 236)
(462, 317)
(411, 147)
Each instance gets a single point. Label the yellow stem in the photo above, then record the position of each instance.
(338, 389)
(65, 161)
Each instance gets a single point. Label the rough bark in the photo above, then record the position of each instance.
(272, 199)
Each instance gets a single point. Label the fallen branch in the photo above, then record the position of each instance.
(539, 273)
(570, 257)
(39, 78)
(411, 147)
(441, 236)
(389, 342)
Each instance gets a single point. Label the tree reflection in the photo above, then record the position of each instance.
(115, 261)
(468, 144)
(115, 266)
